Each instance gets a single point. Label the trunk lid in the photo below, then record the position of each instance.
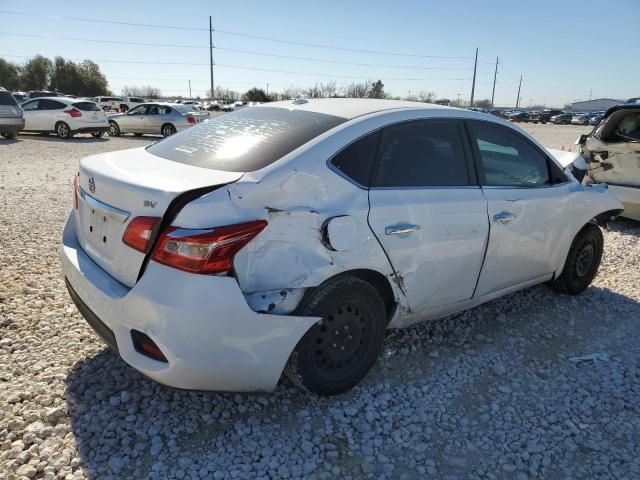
(116, 187)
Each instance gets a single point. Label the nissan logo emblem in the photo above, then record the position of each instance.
(92, 185)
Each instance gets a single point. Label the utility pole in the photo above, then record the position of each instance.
(189, 89)
(211, 56)
(590, 93)
(518, 99)
(473, 85)
(495, 74)
(458, 101)
(409, 97)
(267, 89)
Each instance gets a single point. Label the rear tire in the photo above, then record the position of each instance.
(114, 129)
(167, 130)
(338, 352)
(582, 262)
(10, 135)
(63, 130)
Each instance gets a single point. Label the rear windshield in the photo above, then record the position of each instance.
(7, 99)
(246, 140)
(87, 106)
(182, 108)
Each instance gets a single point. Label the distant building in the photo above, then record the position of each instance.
(595, 105)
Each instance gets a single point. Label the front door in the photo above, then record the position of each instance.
(527, 195)
(428, 212)
(32, 120)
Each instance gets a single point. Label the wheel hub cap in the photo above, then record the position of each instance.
(340, 338)
(584, 260)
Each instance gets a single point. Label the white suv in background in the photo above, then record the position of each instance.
(64, 116)
(109, 103)
(128, 103)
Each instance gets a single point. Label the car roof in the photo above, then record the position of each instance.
(59, 99)
(625, 106)
(350, 107)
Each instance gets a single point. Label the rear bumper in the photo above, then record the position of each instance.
(202, 324)
(11, 124)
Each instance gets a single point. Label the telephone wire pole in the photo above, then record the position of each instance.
(495, 74)
(211, 56)
(518, 99)
(473, 85)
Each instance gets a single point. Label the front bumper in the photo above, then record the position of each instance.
(202, 324)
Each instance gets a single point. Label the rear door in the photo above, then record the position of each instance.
(528, 196)
(428, 212)
(50, 112)
(156, 117)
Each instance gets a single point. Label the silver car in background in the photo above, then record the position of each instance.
(11, 116)
(156, 119)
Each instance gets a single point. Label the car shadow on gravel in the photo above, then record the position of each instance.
(125, 424)
(54, 138)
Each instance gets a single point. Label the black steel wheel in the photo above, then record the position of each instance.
(338, 352)
(114, 129)
(582, 262)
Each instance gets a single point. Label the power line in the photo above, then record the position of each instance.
(250, 52)
(228, 32)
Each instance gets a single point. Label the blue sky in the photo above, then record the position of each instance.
(565, 49)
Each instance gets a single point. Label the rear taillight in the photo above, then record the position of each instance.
(75, 192)
(138, 233)
(73, 112)
(205, 251)
(191, 120)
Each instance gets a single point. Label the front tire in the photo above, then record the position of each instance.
(63, 130)
(167, 130)
(114, 129)
(338, 352)
(582, 262)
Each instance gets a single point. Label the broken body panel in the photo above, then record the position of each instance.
(612, 153)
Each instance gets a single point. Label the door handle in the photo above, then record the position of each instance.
(401, 229)
(503, 217)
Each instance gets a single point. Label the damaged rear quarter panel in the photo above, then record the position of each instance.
(296, 195)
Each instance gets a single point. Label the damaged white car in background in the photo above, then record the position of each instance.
(612, 152)
(290, 236)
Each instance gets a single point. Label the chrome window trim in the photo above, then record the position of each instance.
(532, 187)
(107, 210)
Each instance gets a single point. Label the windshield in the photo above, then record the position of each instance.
(246, 140)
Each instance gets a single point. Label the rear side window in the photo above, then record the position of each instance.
(7, 99)
(136, 100)
(246, 140)
(356, 161)
(422, 153)
(87, 107)
(508, 159)
(46, 104)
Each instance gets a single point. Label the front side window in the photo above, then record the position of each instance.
(139, 110)
(422, 153)
(507, 159)
(30, 106)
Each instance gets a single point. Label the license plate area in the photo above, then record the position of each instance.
(102, 225)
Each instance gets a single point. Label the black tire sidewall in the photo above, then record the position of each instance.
(166, 126)
(572, 283)
(325, 300)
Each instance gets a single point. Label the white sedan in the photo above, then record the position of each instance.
(290, 236)
(64, 116)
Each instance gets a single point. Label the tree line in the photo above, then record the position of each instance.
(83, 79)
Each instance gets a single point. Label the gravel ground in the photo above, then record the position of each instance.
(490, 393)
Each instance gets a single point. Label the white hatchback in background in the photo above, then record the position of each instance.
(290, 236)
(64, 116)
